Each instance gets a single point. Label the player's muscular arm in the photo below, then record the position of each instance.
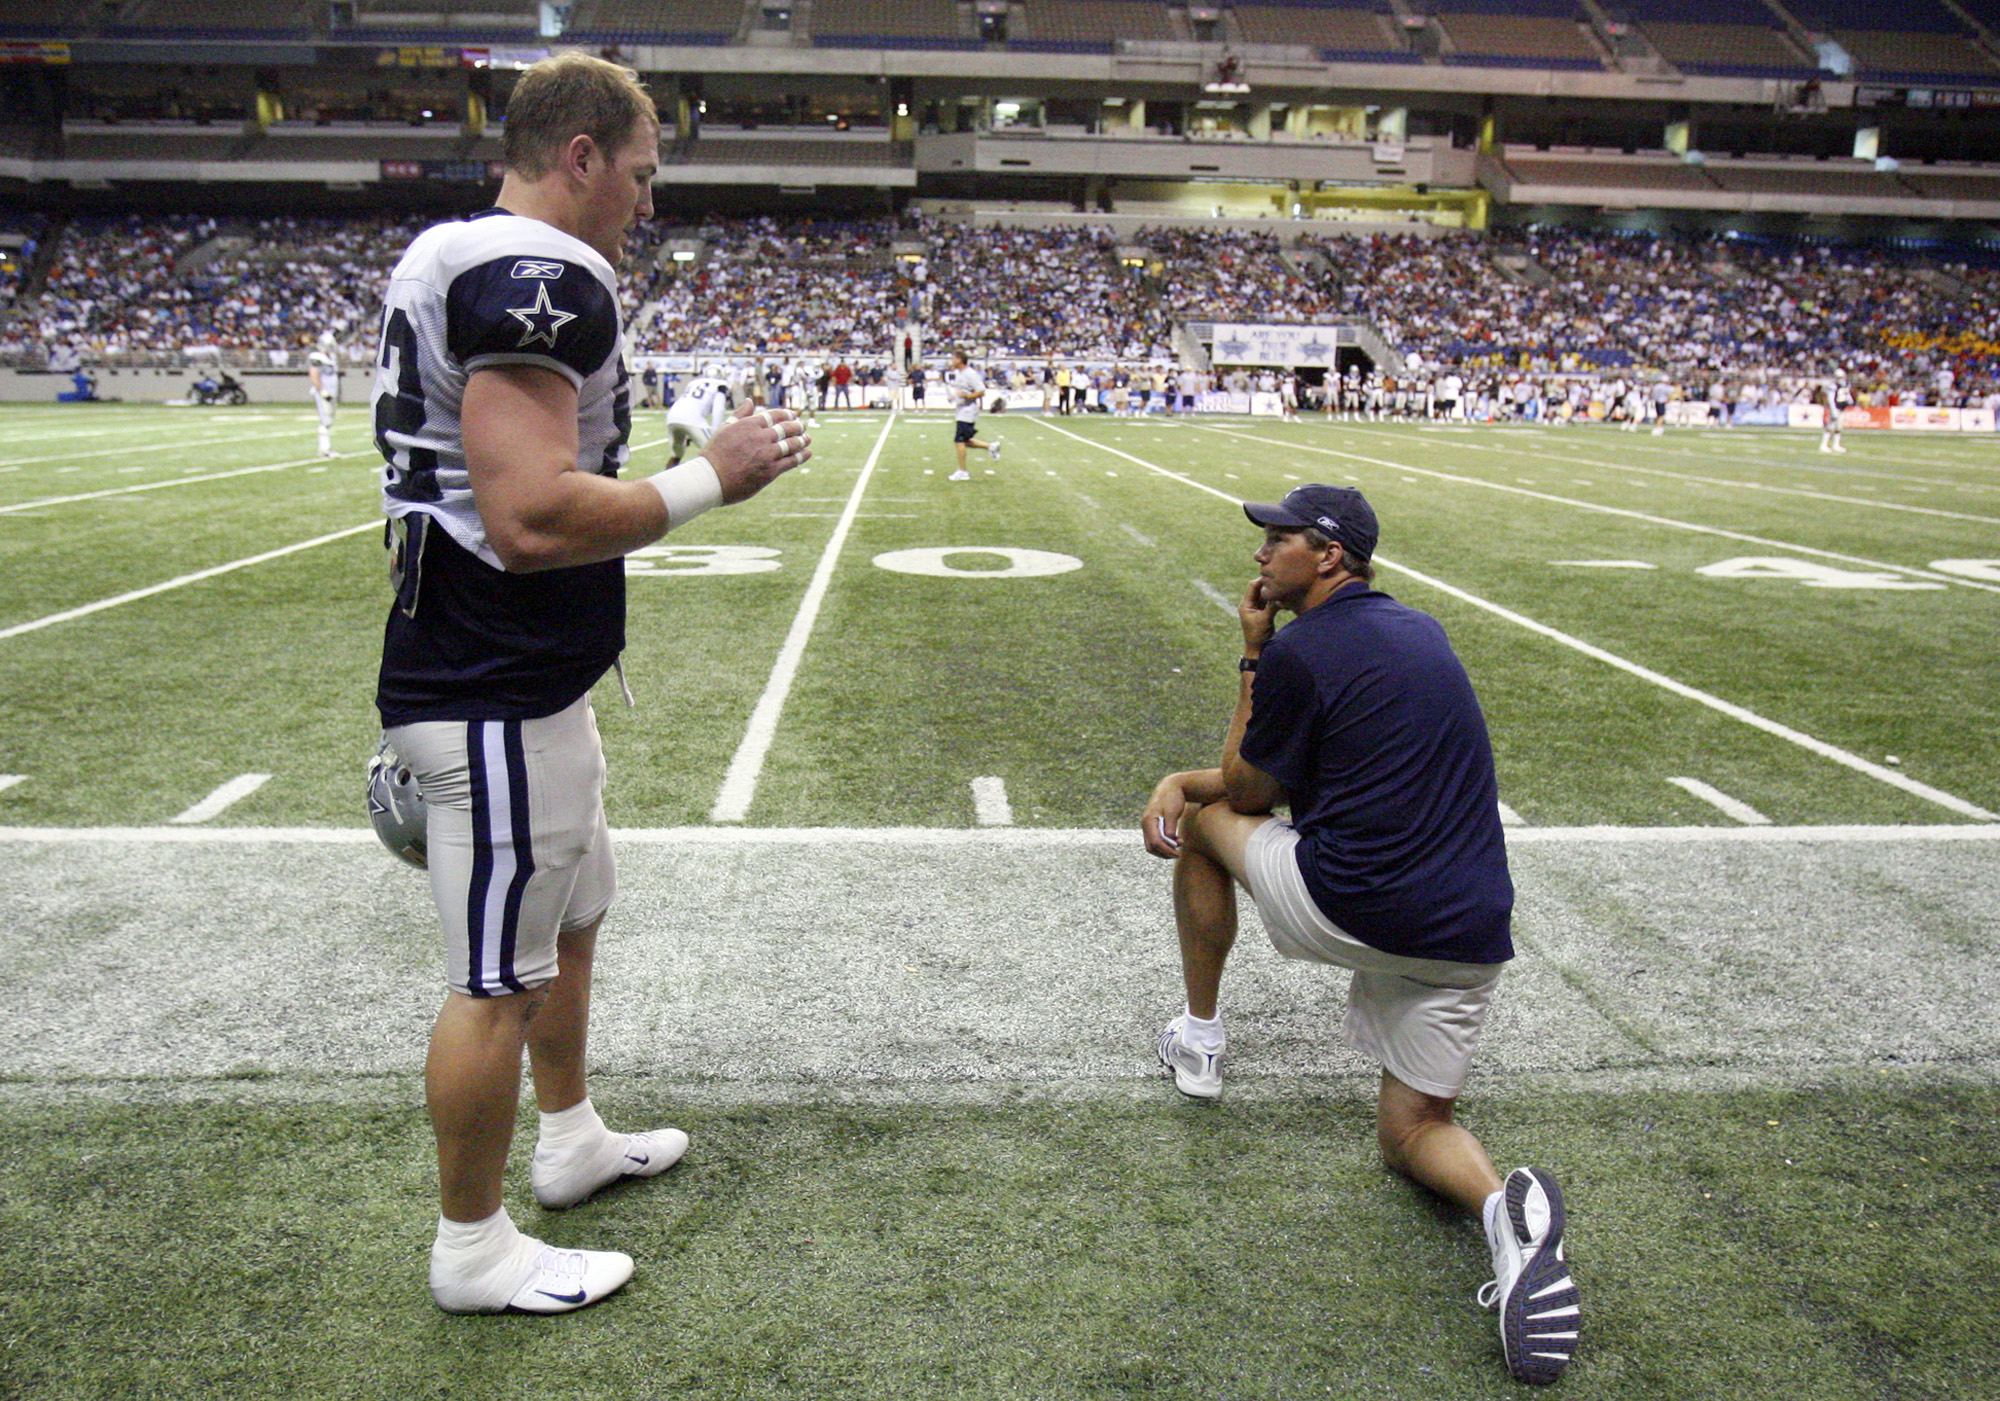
(540, 512)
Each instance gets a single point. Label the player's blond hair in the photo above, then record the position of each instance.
(573, 94)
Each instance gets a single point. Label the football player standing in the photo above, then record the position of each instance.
(503, 411)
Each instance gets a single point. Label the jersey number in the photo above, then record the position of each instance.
(412, 474)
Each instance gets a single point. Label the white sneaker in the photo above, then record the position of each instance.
(1197, 1074)
(1539, 1310)
(993, 449)
(565, 1180)
(555, 1281)
(961, 475)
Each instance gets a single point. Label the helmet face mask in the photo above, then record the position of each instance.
(396, 807)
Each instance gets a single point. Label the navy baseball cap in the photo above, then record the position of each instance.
(1338, 512)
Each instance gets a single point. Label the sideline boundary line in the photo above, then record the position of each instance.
(739, 783)
(1680, 688)
(98, 607)
(1008, 837)
(171, 481)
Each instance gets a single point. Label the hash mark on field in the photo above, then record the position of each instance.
(989, 802)
(223, 798)
(1215, 596)
(1722, 802)
(8, 780)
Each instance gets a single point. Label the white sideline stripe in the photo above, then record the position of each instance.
(1028, 837)
(127, 451)
(171, 481)
(739, 784)
(1722, 802)
(989, 802)
(1667, 683)
(1509, 817)
(1668, 521)
(223, 798)
(8, 780)
(184, 580)
(1215, 596)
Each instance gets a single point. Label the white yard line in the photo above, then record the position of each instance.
(128, 451)
(1598, 509)
(155, 486)
(1722, 802)
(739, 784)
(98, 607)
(225, 796)
(8, 780)
(1746, 486)
(1666, 683)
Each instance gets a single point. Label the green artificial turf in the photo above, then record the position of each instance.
(1831, 1242)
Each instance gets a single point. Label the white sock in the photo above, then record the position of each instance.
(569, 1129)
(1202, 1034)
(477, 1265)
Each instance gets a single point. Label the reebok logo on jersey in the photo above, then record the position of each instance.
(540, 322)
(535, 267)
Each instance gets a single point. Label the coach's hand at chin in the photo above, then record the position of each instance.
(754, 448)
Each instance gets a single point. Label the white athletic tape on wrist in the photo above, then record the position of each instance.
(688, 490)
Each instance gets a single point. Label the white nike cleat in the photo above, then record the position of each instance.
(1540, 1314)
(993, 449)
(1197, 1074)
(553, 1281)
(562, 1180)
(961, 475)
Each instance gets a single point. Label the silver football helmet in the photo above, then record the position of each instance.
(396, 807)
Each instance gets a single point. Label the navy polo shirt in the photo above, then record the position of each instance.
(1363, 713)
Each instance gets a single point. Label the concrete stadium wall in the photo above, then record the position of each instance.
(157, 386)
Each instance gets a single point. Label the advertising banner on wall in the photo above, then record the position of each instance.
(1238, 344)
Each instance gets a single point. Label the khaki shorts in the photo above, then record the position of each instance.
(1419, 1018)
(519, 850)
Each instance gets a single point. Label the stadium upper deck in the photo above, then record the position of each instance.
(1099, 104)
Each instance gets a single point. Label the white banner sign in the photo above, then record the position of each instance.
(1237, 344)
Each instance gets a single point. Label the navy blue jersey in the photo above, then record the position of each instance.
(466, 640)
(1363, 713)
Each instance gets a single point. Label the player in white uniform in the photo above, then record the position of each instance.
(697, 411)
(967, 388)
(503, 411)
(323, 369)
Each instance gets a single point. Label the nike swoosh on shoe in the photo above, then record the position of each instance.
(575, 1298)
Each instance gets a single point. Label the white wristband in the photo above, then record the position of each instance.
(688, 490)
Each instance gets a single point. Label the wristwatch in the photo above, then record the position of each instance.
(1246, 663)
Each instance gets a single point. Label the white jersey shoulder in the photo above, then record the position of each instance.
(494, 290)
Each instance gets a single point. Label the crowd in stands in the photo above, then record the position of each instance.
(1539, 300)
(1034, 292)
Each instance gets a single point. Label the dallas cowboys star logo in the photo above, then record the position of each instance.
(1234, 348)
(541, 321)
(1315, 349)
